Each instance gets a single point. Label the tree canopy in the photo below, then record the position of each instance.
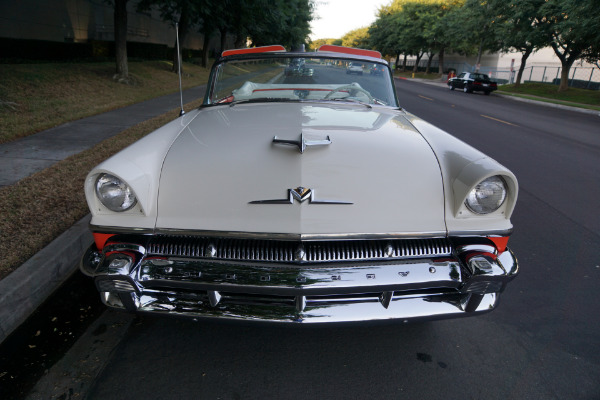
(261, 22)
(416, 27)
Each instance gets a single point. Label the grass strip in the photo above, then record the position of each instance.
(39, 208)
(34, 97)
(548, 92)
(552, 101)
(419, 75)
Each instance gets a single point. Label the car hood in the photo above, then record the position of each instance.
(377, 176)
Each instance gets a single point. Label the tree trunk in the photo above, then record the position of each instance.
(564, 76)
(479, 52)
(429, 62)
(122, 70)
(184, 24)
(522, 66)
(566, 60)
(205, 49)
(404, 62)
(441, 61)
(416, 66)
(397, 64)
(223, 39)
(240, 41)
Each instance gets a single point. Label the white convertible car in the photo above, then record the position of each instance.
(301, 198)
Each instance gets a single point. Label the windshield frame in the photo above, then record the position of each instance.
(211, 85)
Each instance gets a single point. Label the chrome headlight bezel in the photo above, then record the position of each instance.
(114, 193)
(487, 196)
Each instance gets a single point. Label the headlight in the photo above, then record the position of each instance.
(115, 194)
(487, 196)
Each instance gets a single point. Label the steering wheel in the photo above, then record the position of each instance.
(350, 88)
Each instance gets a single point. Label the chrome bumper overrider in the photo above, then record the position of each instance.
(465, 283)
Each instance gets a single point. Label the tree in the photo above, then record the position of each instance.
(571, 26)
(120, 18)
(383, 35)
(414, 27)
(475, 25)
(358, 38)
(315, 44)
(519, 30)
(182, 12)
(438, 33)
(286, 22)
(411, 25)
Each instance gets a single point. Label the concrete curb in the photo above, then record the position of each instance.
(26, 288)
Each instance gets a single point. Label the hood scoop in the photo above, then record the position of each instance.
(303, 142)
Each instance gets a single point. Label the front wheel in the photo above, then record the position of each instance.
(466, 89)
(451, 86)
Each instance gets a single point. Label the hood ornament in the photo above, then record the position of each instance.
(302, 143)
(301, 194)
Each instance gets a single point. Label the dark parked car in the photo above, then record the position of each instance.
(376, 70)
(471, 82)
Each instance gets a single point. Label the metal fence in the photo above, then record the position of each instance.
(579, 77)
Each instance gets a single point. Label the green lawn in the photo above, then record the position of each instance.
(547, 92)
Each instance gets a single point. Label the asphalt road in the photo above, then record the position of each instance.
(541, 343)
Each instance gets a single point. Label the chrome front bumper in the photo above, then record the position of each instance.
(465, 283)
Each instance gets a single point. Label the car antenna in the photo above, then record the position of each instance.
(179, 67)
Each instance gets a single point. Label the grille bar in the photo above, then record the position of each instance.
(297, 252)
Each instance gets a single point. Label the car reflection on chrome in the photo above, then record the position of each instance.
(355, 68)
(301, 201)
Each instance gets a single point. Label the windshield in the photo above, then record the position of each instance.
(301, 79)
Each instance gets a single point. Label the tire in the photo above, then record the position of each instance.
(487, 92)
(466, 89)
(451, 87)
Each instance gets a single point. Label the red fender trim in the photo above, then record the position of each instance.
(499, 242)
(101, 238)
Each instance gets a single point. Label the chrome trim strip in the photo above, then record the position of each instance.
(493, 232)
(120, 229)
(269, 235)
(302, 236)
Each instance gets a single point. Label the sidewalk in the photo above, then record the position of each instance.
(26, 156)
(25, 289)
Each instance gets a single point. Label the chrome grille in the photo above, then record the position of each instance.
(290, 251)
